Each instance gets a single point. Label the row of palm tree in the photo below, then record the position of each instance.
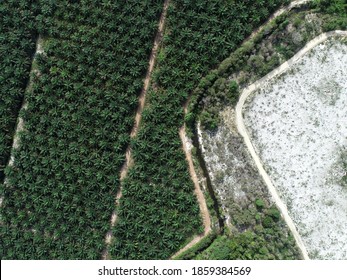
(17, 45)
(61, 189)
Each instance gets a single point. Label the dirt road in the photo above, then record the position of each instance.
(244, 133)
(197, 190)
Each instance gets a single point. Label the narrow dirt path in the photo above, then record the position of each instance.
(197, 190)
(279, 12)
(182, 133)
(20, 122)
(244, 133)
(142, 98)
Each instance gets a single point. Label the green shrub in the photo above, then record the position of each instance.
(274, 213)
(268, 222)
(332, 6)
(203, 244)
(259, 203)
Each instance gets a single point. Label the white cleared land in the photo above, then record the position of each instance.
(298, 125)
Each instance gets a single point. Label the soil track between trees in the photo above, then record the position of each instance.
(142, 98)
(244, 133)
(20, 122)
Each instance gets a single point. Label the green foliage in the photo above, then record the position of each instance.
(63, 184)
(17, 45)
(264, 242)
(268, 222)
(219, 250)
(335, 23)
(243, 246)
(189, 118)
(234, 92)
(337, 10)
(260, 203)
(273, 213)
(285, 51)
(209, 120)
(204, 243)
(332, 6)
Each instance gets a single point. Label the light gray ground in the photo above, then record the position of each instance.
(298, 125)
(235, 178)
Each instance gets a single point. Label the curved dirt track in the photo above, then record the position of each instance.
(244, 133)
(279, 12)
(198, 192)
(142, 98)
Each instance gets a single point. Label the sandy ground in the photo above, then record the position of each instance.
(296, 123)
(142, 98)
(243, 131)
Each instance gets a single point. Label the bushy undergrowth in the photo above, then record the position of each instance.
(203, 244)
(331, 6)
(158, 211)
(63, 184)
(260, 244)
(336, 11)
(264, 241)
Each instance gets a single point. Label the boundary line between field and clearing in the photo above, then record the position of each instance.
(184, 139)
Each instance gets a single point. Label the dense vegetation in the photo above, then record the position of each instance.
(202, 245)
(336, 13)
(158, 210)
(17, 45)
(62, 187)
(331, 6)
(263, 240)
(80, 110)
